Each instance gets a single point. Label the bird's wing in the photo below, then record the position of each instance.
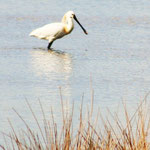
(53, 30)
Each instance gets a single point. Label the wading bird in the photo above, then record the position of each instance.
(54, 31)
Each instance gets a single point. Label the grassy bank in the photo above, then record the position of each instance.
(112, 134)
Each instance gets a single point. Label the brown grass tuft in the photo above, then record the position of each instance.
(112, 134)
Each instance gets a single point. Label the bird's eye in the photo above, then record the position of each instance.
(72, 15)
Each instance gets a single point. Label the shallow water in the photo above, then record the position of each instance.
(115, 55)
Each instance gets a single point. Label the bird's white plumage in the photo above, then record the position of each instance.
(54, 31)
(49, 32)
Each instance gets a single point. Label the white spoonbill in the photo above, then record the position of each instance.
(54, 31)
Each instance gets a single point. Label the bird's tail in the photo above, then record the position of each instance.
(37, 33)
(33, 33)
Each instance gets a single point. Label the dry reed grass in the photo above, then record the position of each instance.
(131, 135)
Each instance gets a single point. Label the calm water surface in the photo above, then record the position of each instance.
(115, 54)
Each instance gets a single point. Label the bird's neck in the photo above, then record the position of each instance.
(69, 25)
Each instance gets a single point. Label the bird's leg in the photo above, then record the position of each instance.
(49, 45)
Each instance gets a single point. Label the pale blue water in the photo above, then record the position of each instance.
(115, 54)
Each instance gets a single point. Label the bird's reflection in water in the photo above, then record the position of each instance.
(48, 62)
(52, 69)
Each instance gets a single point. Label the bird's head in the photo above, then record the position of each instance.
(71, 14)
